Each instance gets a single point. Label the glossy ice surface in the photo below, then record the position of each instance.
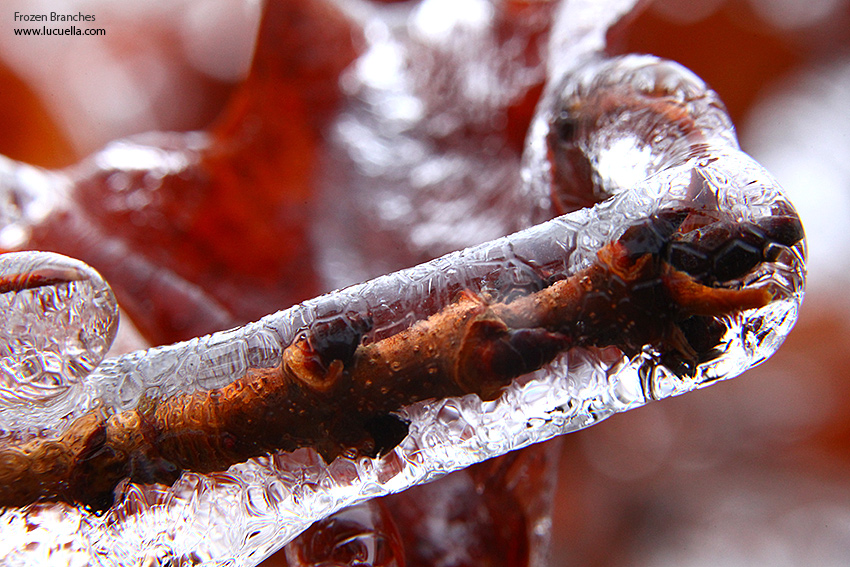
(60, 318)
(253, 508)
(240, 515)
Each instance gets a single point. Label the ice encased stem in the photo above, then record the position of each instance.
(255, 507)
(241, 515)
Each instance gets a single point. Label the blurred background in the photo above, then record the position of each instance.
(755, 471)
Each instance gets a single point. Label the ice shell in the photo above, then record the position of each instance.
(59, 320)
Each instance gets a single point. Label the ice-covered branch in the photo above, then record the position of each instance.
(677, 262)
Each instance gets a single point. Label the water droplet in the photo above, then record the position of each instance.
(60, 318)
(360, 535)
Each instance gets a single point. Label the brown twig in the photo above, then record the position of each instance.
(337, 395)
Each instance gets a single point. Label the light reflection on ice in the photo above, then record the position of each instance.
(243, 514)
(439, 20)
(128, 156)
(625, 161)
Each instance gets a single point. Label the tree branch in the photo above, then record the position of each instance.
(336, 394)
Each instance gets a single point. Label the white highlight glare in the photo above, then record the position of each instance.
(625, 163)
(437, 20)
(131, 157)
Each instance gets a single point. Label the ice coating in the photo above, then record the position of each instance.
(241, 514)
(27, 195)
(361, 534)
(284, 493)
(59, 319)
(431, 136)
(611, 123)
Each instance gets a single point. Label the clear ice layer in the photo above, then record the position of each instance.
(59, 319)
(240, 515)
(248, 511)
